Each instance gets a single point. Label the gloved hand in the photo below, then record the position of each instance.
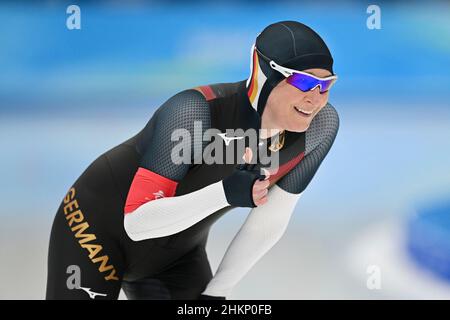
(206, 297)
(246, 186)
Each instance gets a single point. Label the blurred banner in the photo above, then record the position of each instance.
(138, 53)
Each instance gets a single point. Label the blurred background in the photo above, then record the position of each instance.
(66, 96)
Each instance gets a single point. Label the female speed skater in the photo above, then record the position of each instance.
(138, 218)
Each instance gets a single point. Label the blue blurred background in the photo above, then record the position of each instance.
(66, 96)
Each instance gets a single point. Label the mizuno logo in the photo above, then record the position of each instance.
(92, 294)
(228, 139)
(159, 194)
(74, 282)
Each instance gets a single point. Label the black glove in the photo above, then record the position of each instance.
(206, 297)
(239, 185)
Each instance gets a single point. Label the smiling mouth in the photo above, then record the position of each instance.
(303, 112)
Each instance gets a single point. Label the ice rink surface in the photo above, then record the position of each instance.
(368, 180)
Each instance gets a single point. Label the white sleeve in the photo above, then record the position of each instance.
(166, 216)
(263, 227)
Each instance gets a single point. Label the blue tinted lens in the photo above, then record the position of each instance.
(305, 83)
